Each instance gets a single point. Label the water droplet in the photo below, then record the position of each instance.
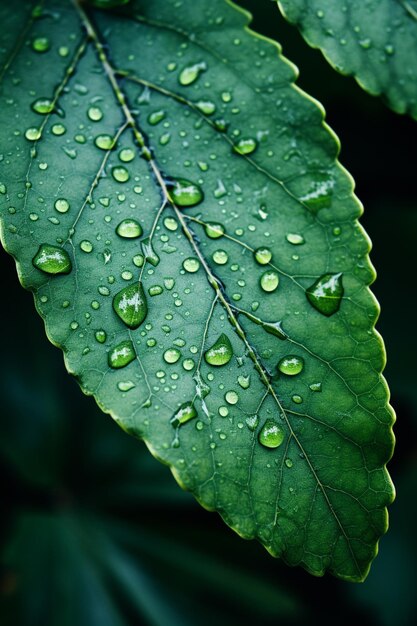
(172, 355)
(252, 422)
(129, 229)
(213, 230)
(58, 129)
(95, 114)
(184, 414)
(223, 411)
(191, 265)
(206, 107)
(170, 223)
(121, 355)
(126, 155)
(245, 146)
(244, 381)
(33, 134)
(62, 205)
(86, 246)
(100, 336)
(269, 281)
(41, 44)
(295, 239)
(156, 117)
(288, 463)
(231, 397)
(188, 364)
(165, 139)
(320, 194)
(138, 260)
(155, 290)
(120, 174)
(365, 43)
(271, 434)
(389, 49)
(291, 365)
(130, 305)
(126, 385)
(315, 386)
(220, 352)
(184, 193)
(105, 142)
(43, 106)
(263, 256)
(220, 257)
(326, 293)
(52, 260)
(3, 188)
(149, 253)
(190, 73)
(127, 275)
(297, 399)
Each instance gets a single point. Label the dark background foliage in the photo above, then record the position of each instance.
(95, 532)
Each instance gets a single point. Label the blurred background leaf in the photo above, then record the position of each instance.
(95, 532)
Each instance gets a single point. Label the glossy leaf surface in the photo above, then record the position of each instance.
(376, 42)
(212, 289)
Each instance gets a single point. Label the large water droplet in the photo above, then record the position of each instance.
(130, 305)
(52, 260)
(95, 114)
(220, 257)
(105, 142)
(190, 73)
(271, 434)
(263, 256)
(120, 174)
(33, 134)
(220, 352)
(172, 355)
(184, 414)
(245, 146)
(129, 229)
(121, 355)
(269, 281)
(184, 193)
(291, 365)
(62, 205)
(213, 230)
(326, 293)
(43, 106)
(191, 265)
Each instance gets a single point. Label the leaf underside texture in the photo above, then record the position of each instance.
(176, 206)
(375, 41)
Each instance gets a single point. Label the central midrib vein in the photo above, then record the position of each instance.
(212, 279)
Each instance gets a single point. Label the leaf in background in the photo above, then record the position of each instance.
(193, 246)
(376, 42)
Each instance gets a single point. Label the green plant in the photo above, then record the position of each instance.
(194, 289)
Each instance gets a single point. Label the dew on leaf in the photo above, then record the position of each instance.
(297, 399)
(206, 106)
(271, 434)
(33, 134)
(269, 281)
(120, 174)
(52, 260)
(288, 463)
(315, 387)
(129, 229)
(105, 142)
(214, 230)
(245, 146)
(62, 205)
(130, 305)
(291, 365)
(244, 381)
(43, 106)
(121, 355)
(326, 293)
(138, 260)
(190, 73)
(125, 385)
(126, 155)
(86, 246)
(170, 223)
(95, 114)
(252, 422)
(184, 193)
(100, 336)
(231, 397)
(191, 265)
(156, 117)
(220, 257)
(41, 44)
(155, 290)
(263, 256)
(58, 129)
(172, 355)
(295, 239)
(184, 414)
(148, 252)
(188, 364)
(220, 352)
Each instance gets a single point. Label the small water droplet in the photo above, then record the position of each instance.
(326, 293)
(95, 114)
(213, 230)
(33, 134)
(155, 290)
(315, 387)
(156, 117)
(231, 397)
(245, 146)
(244, 381)
(184, 414)
(269, 281)
(52, 260)
(184, 193)
(295, 239)
(126, 385)
(86, 246)
(105, 142)
(297, 399)
(62, 205)
(120, 174)
(172, 355)
(130, 305)
(288, 463)
(170, 223)
(220, 352)
(58, 129)
(271, 434)
(41, 44)
(252, 422)
(190, 73)
(291, 365)
(191, 265)
(206, 107)
(43, 106)
(100, 336)
(263, 256)
(129, 229)
(188, 364)
(121, 355)
(126, 155)
(220, 257)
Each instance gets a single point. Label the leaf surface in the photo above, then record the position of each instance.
(376, 42)
(176, 206)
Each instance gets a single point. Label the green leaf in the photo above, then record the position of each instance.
(193, 246)
(376, 42)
